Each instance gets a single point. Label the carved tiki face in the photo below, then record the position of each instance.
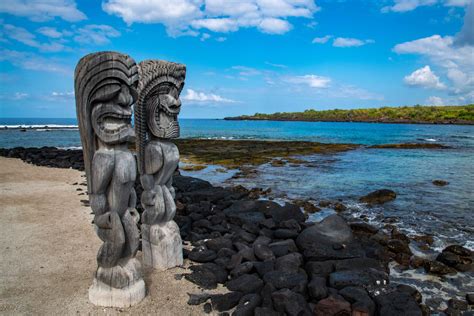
(112, 112)
(160, 85)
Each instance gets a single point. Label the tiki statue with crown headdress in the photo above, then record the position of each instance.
(105, 89)
(156, 123)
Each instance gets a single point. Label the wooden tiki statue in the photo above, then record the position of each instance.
(156, 122)
(105, 88)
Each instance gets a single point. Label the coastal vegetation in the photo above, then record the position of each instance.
(463, 114)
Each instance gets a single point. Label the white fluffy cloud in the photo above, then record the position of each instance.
(96, 34)
(325, 85)
(321, 40)
(455, 62)
(312, 81)
(433, 100)
(410, 5)
(30, 61)
(22, 35)
(350, 42)
(202, 97)
(57, 40)
(188, 16)
(43, 10)
(425, 78)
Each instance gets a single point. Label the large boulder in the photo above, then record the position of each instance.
(379, 197)
(330, 239)
(397, 303)
(245, 211)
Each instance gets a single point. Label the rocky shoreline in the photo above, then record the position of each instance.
(274, 262)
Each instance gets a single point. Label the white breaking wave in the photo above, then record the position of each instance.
(40, 127)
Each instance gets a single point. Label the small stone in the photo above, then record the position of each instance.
(247, 305)
(291, 303)
(207, 308)
(317, 288)
(202, 255)
(218, 243)
(438, 268)
(198, 299)
(470, 298)
(241, 269)
(281, 248)
(283, 233)
(440, 183)
(290, 262)
(247, 283)
(379, 197)
(224, 302)
(332, 306)
(283, 279)
(263, 252)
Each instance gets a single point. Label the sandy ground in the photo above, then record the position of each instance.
(48, 249)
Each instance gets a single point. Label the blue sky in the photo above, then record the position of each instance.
(246, 56)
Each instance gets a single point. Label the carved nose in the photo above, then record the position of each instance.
(125, 98)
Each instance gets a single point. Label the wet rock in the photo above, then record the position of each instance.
(379, 197)
(470, 298)
(357, 264)
(397, 303)
(412, 291)
(333, 305)
(417, 262)
(263, 252)
(283, 279)
(281, 248)
(290, 303)
(218, 243)
(440, 183)
(224, 302)
(339, 207)
(457, 304)
(369, 277)
(247, 305)
(457, 257)
(398, 246)
(286, 212)
(317, 289)
(202, 255)
(247, 283)
(363, 227)
(438, 268)
(290, 262)
(359, 299)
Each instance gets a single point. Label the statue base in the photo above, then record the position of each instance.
(102, 294)
(162, 246)
(124, 288)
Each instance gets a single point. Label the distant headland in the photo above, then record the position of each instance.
(463, 114)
